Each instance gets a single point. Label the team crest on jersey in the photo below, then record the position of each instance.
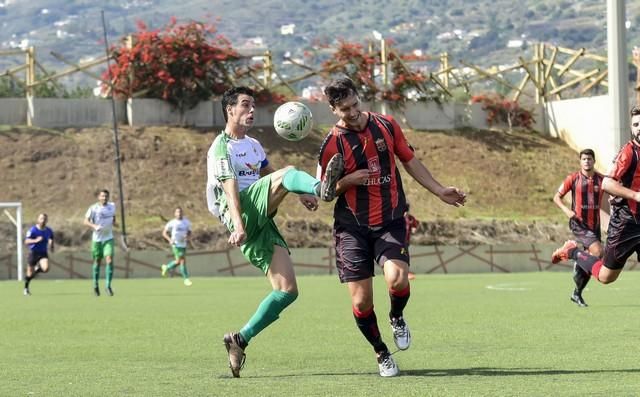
(253, 167)
(381, 144)
(374, 165)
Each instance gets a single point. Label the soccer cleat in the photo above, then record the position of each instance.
(386, 365)
(332, 174)
(401, 334)
(235, 351)
(188, 282)
(576, 298)
(164, 268)
(109, 291)
(96, 291)
(562, 253)
(26, 292)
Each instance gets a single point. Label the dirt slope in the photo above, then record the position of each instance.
(509, 178)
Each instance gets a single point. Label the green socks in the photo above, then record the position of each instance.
(297, 181)
(268, 312)
(109, 274)
(171, 265)
(183, 271)
(96, 274)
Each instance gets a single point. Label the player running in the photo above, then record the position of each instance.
(622, 182)
(584, 215)
(101, 217)
(39, 240)
(180, 229)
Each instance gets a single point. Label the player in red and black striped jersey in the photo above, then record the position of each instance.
(622, 182)
(584, 215)
(369, 224)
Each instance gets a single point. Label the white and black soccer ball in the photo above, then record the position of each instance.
(293, 121)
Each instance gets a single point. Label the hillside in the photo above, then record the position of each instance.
(479, 31)
(510, 180)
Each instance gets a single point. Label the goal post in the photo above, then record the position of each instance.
(17, 222)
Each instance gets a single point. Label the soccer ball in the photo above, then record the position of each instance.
(293, 121)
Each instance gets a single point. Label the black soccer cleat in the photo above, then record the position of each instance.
(109, 291)
(96, 291)
(335, 168)
(576, 298)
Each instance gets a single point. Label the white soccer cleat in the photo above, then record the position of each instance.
(187, 282)
(386, 365)
(401, 334)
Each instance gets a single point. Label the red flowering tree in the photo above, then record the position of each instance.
(501, 110)
(351, 60)
(181, 63)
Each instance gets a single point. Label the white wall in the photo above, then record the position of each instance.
(59, 112)
(584, 123)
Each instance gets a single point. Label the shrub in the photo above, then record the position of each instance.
(501, 110)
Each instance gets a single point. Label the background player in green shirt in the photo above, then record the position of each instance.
(180, 229)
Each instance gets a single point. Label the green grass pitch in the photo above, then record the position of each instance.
(473, 335)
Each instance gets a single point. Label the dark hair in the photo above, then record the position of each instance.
(104, 191)
(230, 98)
(340, 89)
(635, 111)
(588, 152)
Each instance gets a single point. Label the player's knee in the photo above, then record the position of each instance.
(607, 279)
(44, 268)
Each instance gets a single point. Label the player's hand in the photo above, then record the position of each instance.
(38, 239)
(636, 56)
(309, 201)
(237, 237)
(97, 228)
(453, 196)
(357, 178)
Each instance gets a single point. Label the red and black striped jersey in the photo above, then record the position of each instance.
(381, 199)
(625, 170)
(586, 195)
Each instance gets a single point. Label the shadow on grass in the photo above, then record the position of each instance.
(485, 371)
(480, 371)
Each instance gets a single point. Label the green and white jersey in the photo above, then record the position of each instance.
(229, 158)
(179, 229)
(102, 215)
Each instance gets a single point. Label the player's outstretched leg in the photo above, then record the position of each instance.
(564, 253)
(332, 174)
(235, 346)
(580, 278)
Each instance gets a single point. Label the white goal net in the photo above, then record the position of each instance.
(13, 211)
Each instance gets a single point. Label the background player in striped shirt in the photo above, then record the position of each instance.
(622, 182)
(369, 225)
(584, 215)
(39, 240)
(180, 229)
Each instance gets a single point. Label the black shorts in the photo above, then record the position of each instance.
(34, 257)
(358, 248)
(584, 235)
(623, 239)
